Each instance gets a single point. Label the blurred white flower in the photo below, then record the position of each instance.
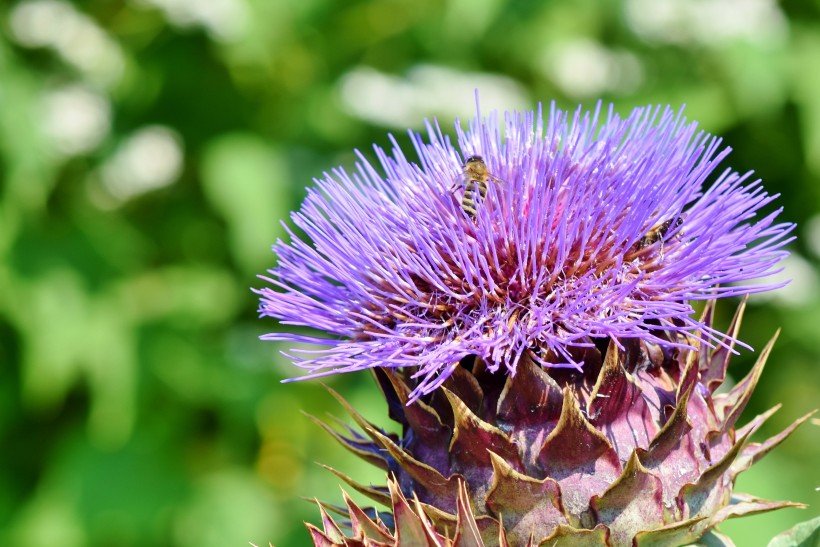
(223, 20)
(75, 119)
(584, 68)
(394, 101)
(803, 284)
(150, 158)
(75, 37)
(706, 21)
(811, 233)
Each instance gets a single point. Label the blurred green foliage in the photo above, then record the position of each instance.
(150, 148)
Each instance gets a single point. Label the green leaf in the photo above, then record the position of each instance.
(804, 534)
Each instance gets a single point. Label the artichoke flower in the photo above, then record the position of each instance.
(524, 300)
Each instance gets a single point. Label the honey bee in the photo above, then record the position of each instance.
(475, 176)
(658, 233)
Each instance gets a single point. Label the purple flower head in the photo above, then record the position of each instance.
(583, 229)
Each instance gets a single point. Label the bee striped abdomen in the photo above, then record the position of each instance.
(475, 175)
(468, 201)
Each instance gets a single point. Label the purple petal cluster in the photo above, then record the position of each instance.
(592, 227)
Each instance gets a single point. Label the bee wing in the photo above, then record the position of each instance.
(496, 180)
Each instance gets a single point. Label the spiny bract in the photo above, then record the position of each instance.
(636, 450)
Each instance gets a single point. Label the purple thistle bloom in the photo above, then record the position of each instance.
(589, 229)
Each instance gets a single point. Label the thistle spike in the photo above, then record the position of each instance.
(470, 432)
(635, 498)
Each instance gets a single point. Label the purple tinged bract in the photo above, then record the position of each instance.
(597, 227)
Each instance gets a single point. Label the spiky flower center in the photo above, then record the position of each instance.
(585, 231)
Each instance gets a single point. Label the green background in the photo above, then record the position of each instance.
(150, 148)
